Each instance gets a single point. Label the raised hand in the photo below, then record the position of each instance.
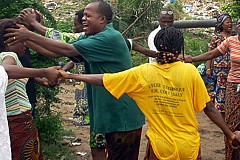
(28, 16)
(16, 35)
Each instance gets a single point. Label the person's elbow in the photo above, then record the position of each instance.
(215, 53)
(209, 107)
(70, 51)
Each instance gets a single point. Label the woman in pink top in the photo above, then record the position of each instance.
(232, 113)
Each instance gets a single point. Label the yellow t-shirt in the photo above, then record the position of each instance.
(168, 95)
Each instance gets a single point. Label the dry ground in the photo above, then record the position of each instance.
(212, 142)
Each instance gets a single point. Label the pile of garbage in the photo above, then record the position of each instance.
(62, 9)
(200, 9)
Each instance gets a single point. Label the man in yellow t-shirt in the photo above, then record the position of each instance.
(168, 92)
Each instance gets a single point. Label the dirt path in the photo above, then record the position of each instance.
(212, 142)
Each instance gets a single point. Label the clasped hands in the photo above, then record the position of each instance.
(53, 75)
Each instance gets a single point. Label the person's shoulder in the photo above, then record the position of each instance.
(231, 39)
(13, 54)
(155, 31)
(142, 67)
(234, 37)
(188, 66)
(109, 34)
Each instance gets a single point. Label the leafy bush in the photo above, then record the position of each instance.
(233, 8)
(50, 128)
(11, 8)
(196, 43)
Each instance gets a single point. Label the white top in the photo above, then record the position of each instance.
(151, 42)
(5, 149)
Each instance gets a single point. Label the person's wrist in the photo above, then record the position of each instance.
(208, 69)
(33, 23)
(193, 59)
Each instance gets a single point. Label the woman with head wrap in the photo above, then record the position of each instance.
(217, 69)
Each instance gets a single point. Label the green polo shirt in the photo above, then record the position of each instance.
(107, 52)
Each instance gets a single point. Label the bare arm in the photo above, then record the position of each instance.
(16, 72)
(40, 28)
(22, 34)
(30, 18)
(207, 55)
(42, 50)
(209, 64)
(95, 79)
(216, 117)
(209, 68)
(143, 50)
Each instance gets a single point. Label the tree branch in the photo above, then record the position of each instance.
(126, 30)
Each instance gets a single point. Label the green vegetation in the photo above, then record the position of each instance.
(196, 43)
(233, 8)
(132, 18)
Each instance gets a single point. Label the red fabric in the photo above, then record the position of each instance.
(24, 137)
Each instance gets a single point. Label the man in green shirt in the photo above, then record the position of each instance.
(105, 51)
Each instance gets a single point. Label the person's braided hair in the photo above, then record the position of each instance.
(169, 43)
(4, 24)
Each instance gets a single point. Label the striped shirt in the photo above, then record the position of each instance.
(232, 45)
(16, 97)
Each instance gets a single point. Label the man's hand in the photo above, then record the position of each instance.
(16, 35)
(53, 74)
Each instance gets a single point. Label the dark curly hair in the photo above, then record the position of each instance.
(170, 43)
(80, 15)
(4, 24)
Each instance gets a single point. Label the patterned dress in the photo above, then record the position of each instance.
(81, 114)
(221, 67)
